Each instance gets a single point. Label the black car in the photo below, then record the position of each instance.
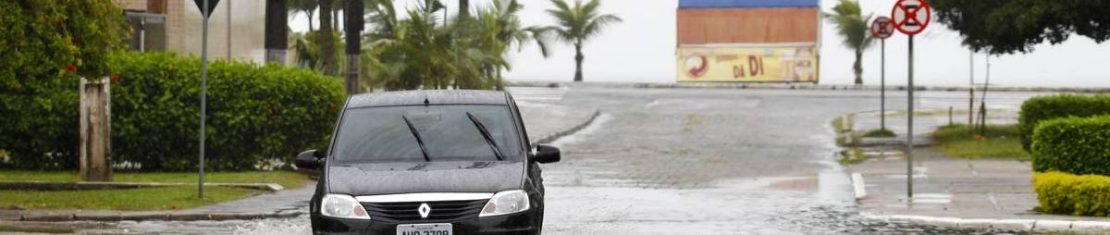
(429, 163)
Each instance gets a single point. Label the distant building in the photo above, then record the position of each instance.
(236, 29)
(748, 40)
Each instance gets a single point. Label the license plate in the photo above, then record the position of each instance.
(424, 229)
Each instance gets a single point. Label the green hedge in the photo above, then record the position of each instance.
(1038, 109)
(46, 45)
(1073, 145)
(1063, 193)
(256, 114)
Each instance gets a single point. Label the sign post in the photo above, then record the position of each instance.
(206, 7)
(910, 17)
(882, 29)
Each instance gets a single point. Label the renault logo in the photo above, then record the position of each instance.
(424, 210)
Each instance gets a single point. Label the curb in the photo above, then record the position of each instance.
(147, 216)
(47, 185)
(565, 132)
(999, 225)
(858, 186)
(795, 86)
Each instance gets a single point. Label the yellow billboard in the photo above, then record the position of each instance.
(747, 64)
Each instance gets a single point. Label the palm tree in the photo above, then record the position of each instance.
(306, 6)
(577, 24)
(853, 27)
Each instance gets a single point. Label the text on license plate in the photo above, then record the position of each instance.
(424, 229)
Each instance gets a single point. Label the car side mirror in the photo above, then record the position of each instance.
(546, 154)
(310, 159)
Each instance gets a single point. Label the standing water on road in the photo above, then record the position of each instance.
(678, 161)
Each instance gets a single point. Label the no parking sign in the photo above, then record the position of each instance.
(911, 16)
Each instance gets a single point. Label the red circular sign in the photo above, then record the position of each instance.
(882, 28)
(911, 16)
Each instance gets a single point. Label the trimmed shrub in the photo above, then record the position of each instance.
(256, 113)
(1038, 109)
(1073, 145)
(1063, 193)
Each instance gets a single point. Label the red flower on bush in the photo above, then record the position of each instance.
(71, 68)
(115, 78)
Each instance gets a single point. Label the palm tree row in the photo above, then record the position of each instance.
(417, 49)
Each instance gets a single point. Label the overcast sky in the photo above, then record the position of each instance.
(642, 49)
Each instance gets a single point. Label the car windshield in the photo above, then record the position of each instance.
(381, 134)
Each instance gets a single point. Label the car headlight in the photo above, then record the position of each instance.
(342, 206)
(506, 202)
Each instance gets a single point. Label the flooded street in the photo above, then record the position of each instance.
(677, 161)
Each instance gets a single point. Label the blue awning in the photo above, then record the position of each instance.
(746, 3)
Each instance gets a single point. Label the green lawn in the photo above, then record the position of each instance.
(159, 198)
(287, 179)
(163, 198)
(1000, 141)
(879, 133)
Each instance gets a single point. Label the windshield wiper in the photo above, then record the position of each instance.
(485, 134)
(419, 141)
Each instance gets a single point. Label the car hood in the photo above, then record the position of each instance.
(424, 177)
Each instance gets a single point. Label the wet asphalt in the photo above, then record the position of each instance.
(687, 161)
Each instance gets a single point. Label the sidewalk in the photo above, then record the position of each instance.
(988, 194)
(791, 86)
(544, 123)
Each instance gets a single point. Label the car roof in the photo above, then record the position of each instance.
(434, 97)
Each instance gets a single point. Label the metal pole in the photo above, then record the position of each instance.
(203, 96)
(909, 129)
(983, 100)
(971, 92)
(228, 29)
(882, 87)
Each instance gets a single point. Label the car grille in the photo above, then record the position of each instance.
(399, 212)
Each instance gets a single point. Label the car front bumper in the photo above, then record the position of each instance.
(526, 222)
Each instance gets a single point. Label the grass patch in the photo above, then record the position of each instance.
(162, 198)
(852, 156)
(879, 133)
(999, 141)
(843, 123)
(287, 179)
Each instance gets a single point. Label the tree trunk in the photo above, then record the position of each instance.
(327, 40)
(95, 123)
(578, 61)
(464, 8)
(277, 38)
(310, 16)
(858, 67)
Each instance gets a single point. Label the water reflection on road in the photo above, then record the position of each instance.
(679, 162)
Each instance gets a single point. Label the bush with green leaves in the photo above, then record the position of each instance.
(1073, 145)
(1038, 109)
(46, 46)
(256, 113)
(1063, 193)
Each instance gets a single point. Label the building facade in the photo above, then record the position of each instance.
(236, 29)
(748, 40)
